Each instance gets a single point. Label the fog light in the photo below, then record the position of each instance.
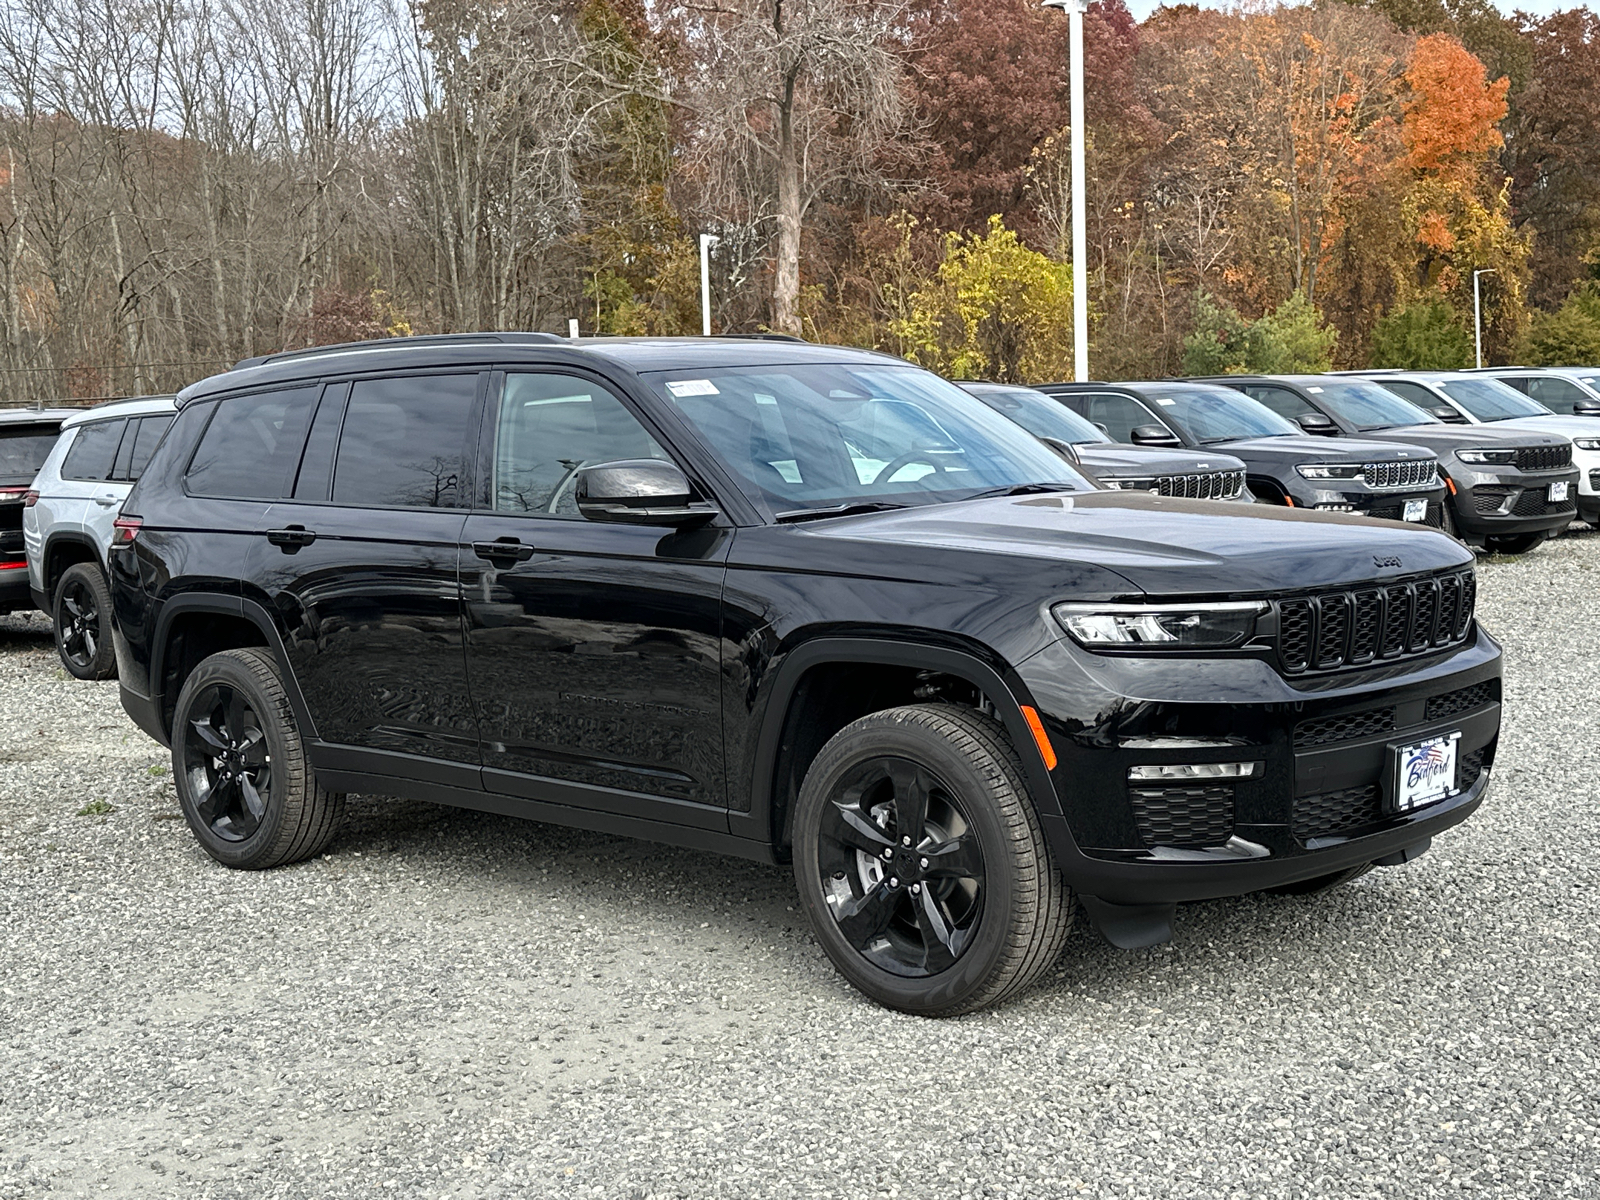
(1185, 771)
(1336, 508)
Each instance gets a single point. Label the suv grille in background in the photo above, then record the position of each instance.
(1209, 485)
(1490, 498)
(1339, 629)
(1534, 502)
(1401, 474)
(1189, 818)
(1594, 480)
(1396, 512)
(1544, 458)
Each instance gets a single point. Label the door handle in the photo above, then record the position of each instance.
(291, 538)
(504, 550)
(108, 500)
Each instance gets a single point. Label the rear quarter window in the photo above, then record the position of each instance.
(252, 446)
(94, 446)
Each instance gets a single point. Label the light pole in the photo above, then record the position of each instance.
(707, 240)
(1080, 237)
(1477, 316)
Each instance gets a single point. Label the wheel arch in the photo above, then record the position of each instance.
(193, 627)
(784, 750)
(64, 549)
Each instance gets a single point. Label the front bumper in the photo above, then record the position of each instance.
(1514, 502)
(1318, 802)
(1386, 504)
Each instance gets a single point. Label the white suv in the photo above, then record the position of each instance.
(66, 527)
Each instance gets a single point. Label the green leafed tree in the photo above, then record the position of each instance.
(1291, 339)
(993, 310)
(1426, 335)
(1568, 337)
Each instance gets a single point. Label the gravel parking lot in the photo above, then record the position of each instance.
(459, 1004)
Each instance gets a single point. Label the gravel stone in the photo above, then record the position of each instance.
(458, 1004)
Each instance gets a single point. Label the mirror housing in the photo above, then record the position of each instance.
(1318, 423)
(639, 491)
(1155, 435)
(1448, 415)
(1586, 408)
(1064, 448)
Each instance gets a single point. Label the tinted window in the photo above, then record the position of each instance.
(93, 448)
(145, 442)
(819, 435)
(1282, 401)
(404, 442)
(252, 446)
(1491, 400)
(1368, 406)
(1413, 392)
(1040, 415)
(1118, 415)
(1558, 395)
(1215, 414)
(550, 425)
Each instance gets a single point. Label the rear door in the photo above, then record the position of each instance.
(593, 648)
(65, 500)
(137, 444)
(358, 565)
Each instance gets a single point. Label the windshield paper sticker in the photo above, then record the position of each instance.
(692, 387)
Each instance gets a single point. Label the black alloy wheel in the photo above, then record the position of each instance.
(82, 619)
(226, 762)
(243, 779)
(921, 864)
(901, 866)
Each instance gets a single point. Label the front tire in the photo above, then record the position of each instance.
(82, 621)
(244, 782)
(921, 864)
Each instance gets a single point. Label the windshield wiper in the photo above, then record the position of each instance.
(1022, 489)
(838, 510)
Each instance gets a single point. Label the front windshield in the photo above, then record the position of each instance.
(1368, 406)
(1490, 400)
(1040, 415)
(1215, 414)
(822, 435)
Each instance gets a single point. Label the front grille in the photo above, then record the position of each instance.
(1401, 474)
(1460, 701)
(1490, 498)
(1534, 502)
(1344, 728)
(1341, 629)
(1207, 485)
(1189, 818)
(1543, 458)
(1337, 812)
(1469, 768)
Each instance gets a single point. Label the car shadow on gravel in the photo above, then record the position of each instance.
(24, 631)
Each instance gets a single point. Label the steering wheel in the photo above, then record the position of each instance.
(906, 459)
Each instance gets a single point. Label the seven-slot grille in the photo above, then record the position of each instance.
(1544, 458)
(1341, 629)
(1206, 485)
(1424, 473)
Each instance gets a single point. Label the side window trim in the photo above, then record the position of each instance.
(333, 396)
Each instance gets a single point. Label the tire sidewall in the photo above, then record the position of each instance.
(225, 668)
(950, 988)
(96, 582)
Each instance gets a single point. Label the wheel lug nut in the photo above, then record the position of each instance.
(906, 841)
(916, 889)
(887, 854)
(894, 881)
(923, 864)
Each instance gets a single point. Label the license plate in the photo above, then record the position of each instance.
(1425, 772)
(1415, 510)
(1558, 491)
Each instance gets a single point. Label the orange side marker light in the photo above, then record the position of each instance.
(1040, 737)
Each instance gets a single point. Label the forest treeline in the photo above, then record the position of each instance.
(187, 182)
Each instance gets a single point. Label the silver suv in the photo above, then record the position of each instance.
(66, 527)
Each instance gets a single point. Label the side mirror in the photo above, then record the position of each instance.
(638, 491)
(1154, 435)
(1586, 408)
(1448, 415)
(1064, 448)
(1318, 423)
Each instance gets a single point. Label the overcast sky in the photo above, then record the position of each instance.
(1143, 8)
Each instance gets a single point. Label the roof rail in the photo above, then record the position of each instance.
(763, 337)
(398, 343)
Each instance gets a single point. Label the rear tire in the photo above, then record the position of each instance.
(82, 619)
(967, 909)
(1320, 883)
(244, 782)
(1513, 543)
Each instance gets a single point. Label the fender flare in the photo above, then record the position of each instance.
(68, 537)
(1000, 684)
(228, 606)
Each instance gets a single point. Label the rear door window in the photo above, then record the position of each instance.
(1413, 392)
(145, 439)
(1558, 395)
(252, 446)
(404, 442)
(1280, 400)
(94, 448)
(1117, 414)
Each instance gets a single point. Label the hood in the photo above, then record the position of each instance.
(1555, 425)
(1446, 439)
(1161, 546)
(1290, 451)
(1115, 460)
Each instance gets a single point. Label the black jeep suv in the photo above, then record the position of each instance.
(791, 602)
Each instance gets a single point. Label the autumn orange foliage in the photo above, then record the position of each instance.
(1452, 114)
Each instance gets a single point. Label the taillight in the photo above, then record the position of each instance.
(124, 530)
(30, 498)
(14, 493)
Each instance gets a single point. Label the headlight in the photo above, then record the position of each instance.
(1160, 626)
(1586, 443)
(1131, 485)
(1502, 458)
(1331, 470)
